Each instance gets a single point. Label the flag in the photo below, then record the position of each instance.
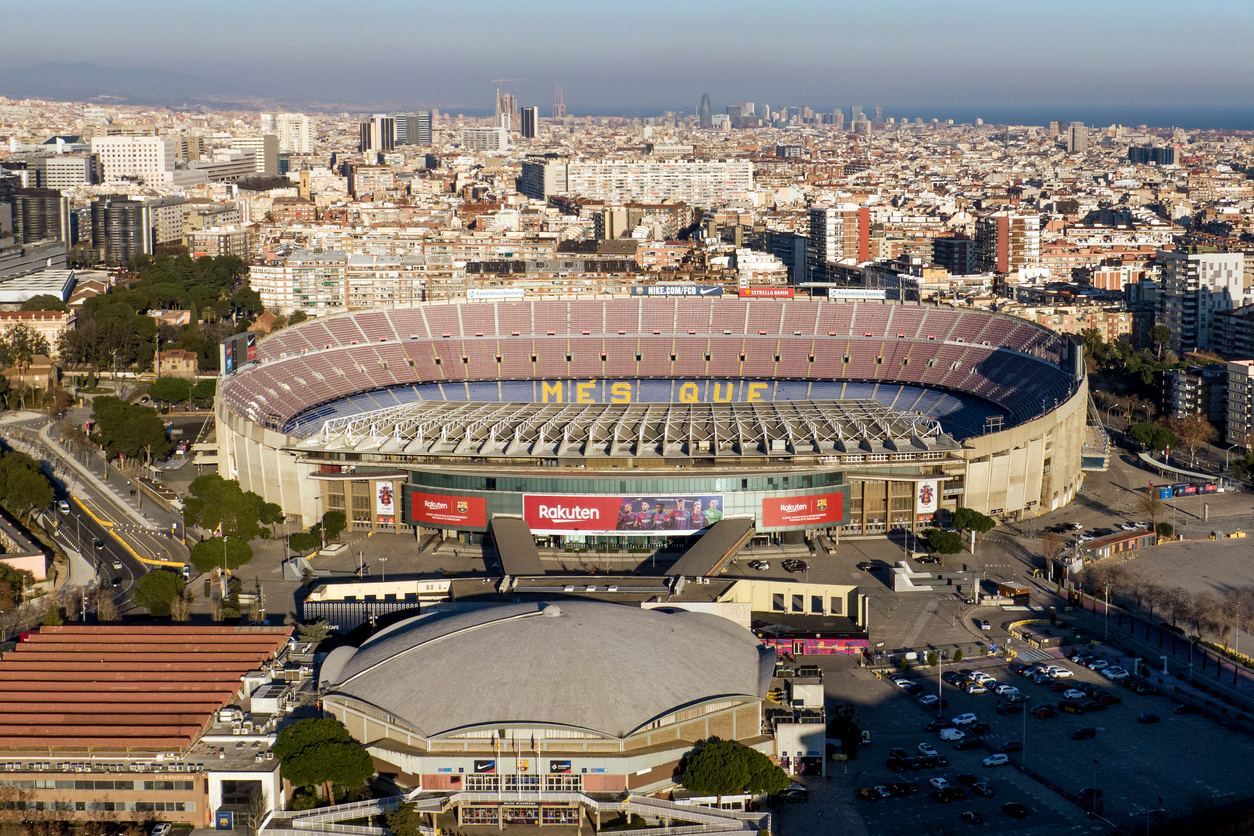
(217, 532)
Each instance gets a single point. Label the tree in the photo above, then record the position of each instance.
(1152, 506)
(1153, 436)
(170, 390)
(209, 554)
(333, 522)
(44, 302)
(306, 541)
(315, 632)
(154, 591)
(957, 656)
(297, 318)
(1164, 530)
(320, 752)
(1177, 604)
(1193, 431)
(125, 429)
(943, 542)
(968, 519)
(106, 606)
(1243, 468)
(23, 485)
(403, 820)
(1160, 335)
(52, 616)
(213, 501)
(204, 390)
(725, 767)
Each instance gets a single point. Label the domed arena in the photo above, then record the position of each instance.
(568, 696)
(610, 422)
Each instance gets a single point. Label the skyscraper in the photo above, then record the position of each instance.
(855, 113)
(1194, 288)
(529, 122)
(1077, 138)
(879, 114)
(764, 111)
(423, 137)
(379, 134)
(837, 232)
(705, 112)
(1006, 242)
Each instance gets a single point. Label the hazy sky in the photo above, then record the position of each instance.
(646, 56)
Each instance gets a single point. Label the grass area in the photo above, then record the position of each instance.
(95, 390)
(621, 823)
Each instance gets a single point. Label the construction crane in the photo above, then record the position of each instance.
(499, 81)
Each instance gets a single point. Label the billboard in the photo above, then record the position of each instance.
(855, 293)
(675, 290)
(495, 293)
(559, 767)
(926, 497)
(485, 767)
(237, 351)
(385, 502)
(571, 514)
(777, 292)
(442, 509)
(816, 510)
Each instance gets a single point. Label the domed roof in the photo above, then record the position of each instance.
(600, 667)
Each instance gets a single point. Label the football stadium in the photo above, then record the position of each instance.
(632, 421)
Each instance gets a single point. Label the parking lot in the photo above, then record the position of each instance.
(1178, 763)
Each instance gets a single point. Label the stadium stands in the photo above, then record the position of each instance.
(320, 368)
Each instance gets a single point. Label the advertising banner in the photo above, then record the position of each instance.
(385, 502)
(777, 292)
(559, 767)
(485, 767)
(926, 497)
(569, 514)
(441, 509)
(495, 293)
(675, 290)
(817, 510)
(855, 293)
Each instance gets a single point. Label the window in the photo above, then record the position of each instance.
(836, 606)
(798, 603)
(777, 602)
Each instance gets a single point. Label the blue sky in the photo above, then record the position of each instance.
(912, 56)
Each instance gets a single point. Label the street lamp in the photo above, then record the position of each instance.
(1107, 608)
(383, 567)
(224, 539)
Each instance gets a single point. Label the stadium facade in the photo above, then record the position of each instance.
(635, 420)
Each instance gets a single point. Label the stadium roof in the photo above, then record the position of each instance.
(604, 668)
(145, 688)
(723, 430)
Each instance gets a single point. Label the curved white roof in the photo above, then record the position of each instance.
(590, 665)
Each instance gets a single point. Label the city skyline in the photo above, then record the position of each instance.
(915, 59)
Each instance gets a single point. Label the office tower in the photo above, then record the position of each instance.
(955, 253)
(40, 214)
(1055, 128)
(528, 126)
(150, 159)
(494, 140)
(425, 118)
(838, 118)
(879, 114)
(1147, 154)
(855, 113)
(379, 134)
(1007, 241)
(265, 151)
(559, 106)
(1195, 287)
(543, 177)
(764, 111)
(66, 171)
(1077, 138)
(121, 228)
(400, 124)
(836, 233)
(735, 116)
(267, 123)
(705, 112)
(295, 132)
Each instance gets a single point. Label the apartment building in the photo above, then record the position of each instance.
(295, 131)
(1240, 415)
(149, 159)
(836, 233)
(1195, 288)
(1006, 242)
(697, 183)
(491, 140)
(543, 177)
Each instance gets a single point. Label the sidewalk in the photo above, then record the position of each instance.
(99, 484)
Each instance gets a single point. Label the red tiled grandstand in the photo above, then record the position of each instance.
(129, 688)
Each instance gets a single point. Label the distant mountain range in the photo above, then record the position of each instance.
(84, 82)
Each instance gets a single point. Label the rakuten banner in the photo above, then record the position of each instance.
(570, 514)
(441, 509)
(810, 511)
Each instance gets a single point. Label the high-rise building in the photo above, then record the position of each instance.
(1146, 154)
(1007, 241)
(379, 134)
(265, 151)
(1239, 425)
(955, 253)
(40, 214)
(295, 132)
(838, 119)
(836, 233)
(559, 106)
(528, 126)
(697, 183)
(425, 119)
(705, 112)
(855, 113)
(764, 112)
(1196, 287)
(121, 228)
(542, 177)
(150, 159)
(494, 140)
(413, 128)
(879, 114)
(506, 111)
(1077, 138)
(65, 171)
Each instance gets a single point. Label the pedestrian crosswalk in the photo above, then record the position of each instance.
(1031, 654)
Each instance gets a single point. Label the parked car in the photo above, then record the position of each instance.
(794, 566)
(1186, 708)
(1098, 664)
(903, 788)
(968, 743)
(1010, 746)
(1073, 694)
(951, 735)
(1147, 717)
(1059, 672)
(864, 566)
(1070, 707)
(1044, 712)
(927, 750)
(937, 725)
(938, 783)
(63, 506)
(929, 700)
(869, 794)
(983, 788)
(1114, 674)
(1093, 705)
(796, 792)
(928, 558)
(974, 688)
(998, 759)
(953, 678)
(759, 565)
(1016, 810)
(984, 625)
(965, 719)
(972, 817)
(978, 728)
(1083, 734)
(1001, 689)
(982, 678)
(1009, 708)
